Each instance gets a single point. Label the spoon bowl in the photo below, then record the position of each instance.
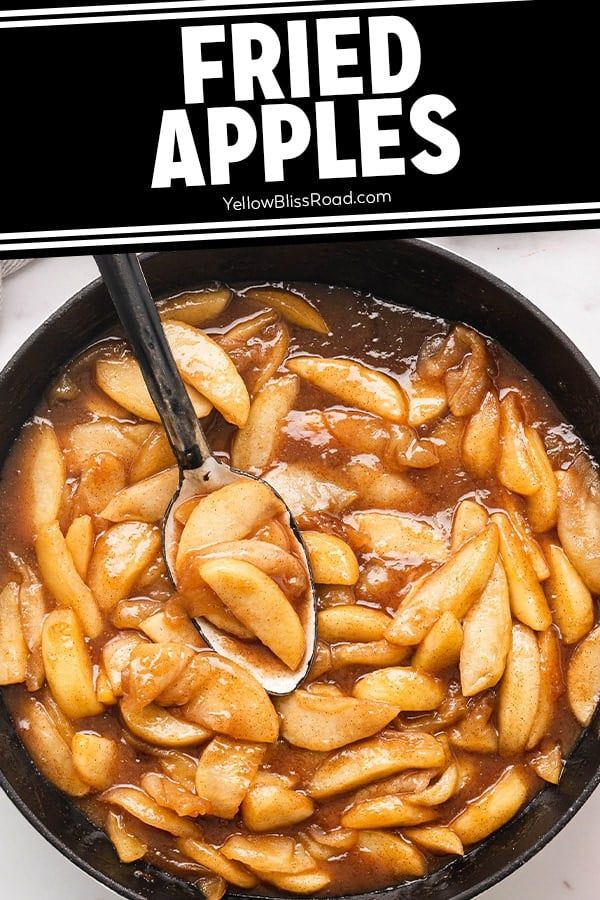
(272, 673)
(259, 642)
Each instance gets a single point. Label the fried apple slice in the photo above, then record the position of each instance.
(201, 601)
(548, 763)
(95, 759)
(277, 345)
(469, 519)
(519, 693)
(579, 519)
(427, 400)
(387, 811)
(481, 438)
(152, 668)
(362, 432)
(160, 728)
(141, 806)
(467, 382)
(229, 514)
(570, 600)
(120, 556)
(441, 790)
(13, 649)
(32, 611)
(453, 587)
(255, 444)
(404, 687)
(318, 722)
(272, 805)
(305, 489)
(368, 653)
(270, 558)
(259, 604)
(48, 748)
(173, 796)
(269, 854)
(527, 600)
(382, 756)
(412, 451)
(551, 686)
(487, 632)
(144, 501)
(80, 543)
(331, 559)
(321, 661)
(438, 840)
(213, 860)
(523, 531)
(396, 445)
(154, 455)
(305, 883)
(325, 845)
(398, 857)
(68, 665)
(161, 629)
(195, 307)
(124, 383)
(102, 476)
(291, 306)
(441, 352)
(354, 384)
(238, 335)
(128, 846)
(180, 767)
(207, 367)
(32, 602)
(583, 678)
(276, 533)
(438, 353)
(227, 699)
(46, 476)
(319, 851)
(394, 536)
(116, 655)
(225, 772)
(440, 648)
(104, 692)
(493, 808)
(351, 622)
(516, 469)
(542, 507)
(104, 436)
(383, 490)
(64, 725)
(475, 732)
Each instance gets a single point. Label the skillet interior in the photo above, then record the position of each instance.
(411, 273)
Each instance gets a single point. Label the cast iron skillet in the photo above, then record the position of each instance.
(406, 272)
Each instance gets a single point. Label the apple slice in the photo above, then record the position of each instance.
(208, 368)
(354, 384)
(124, 383)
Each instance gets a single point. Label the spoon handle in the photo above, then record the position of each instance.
(123, 276)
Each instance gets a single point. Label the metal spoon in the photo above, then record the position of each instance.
(200, 471)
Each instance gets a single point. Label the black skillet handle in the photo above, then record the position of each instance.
(123, 276)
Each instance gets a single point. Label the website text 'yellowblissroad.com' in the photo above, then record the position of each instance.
(314, 200)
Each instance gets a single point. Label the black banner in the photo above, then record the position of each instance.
(158, 124)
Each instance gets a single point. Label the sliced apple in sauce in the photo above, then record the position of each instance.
(355, 384)
(124, 383)
(207, 367)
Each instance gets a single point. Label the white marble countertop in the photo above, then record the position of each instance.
(560, 272)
